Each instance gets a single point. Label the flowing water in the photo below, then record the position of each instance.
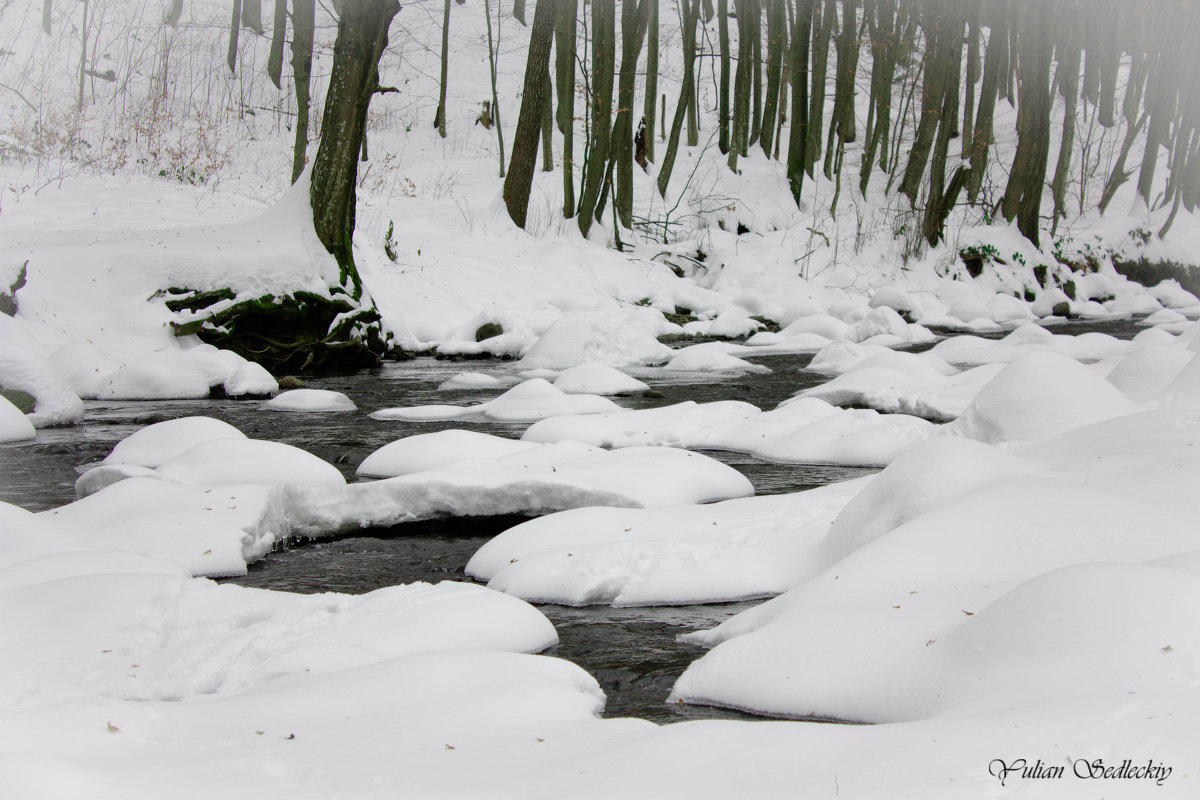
(633, 652)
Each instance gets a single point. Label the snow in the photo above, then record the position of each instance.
(431, 450)
(26, 371)
(310, 400)
(250, 379)
(530, 400)
(222, 462)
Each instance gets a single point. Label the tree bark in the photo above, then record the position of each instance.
(354, 78)
(534, 98)
(776, 23)
(820, 68)
(633, 17)
(689, 11)
(723, 99)
(235, 25)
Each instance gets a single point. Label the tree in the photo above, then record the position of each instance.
(534, 99)
(776, 25)
(689, 11)
(633, 26)
(354, 78)
(649, 104)
(723, 101)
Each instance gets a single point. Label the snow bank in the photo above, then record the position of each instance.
(619, 339)
(531, 400)
(24, 370)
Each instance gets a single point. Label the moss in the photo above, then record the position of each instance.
(24, 401)
(1150, 273)
(290, 333)
(1069, 289)
(768, 324)
(488, 330)
(186, 300)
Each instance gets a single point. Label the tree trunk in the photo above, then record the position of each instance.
(564, 63)
(603, 56)
(487, 12)
(740, 131)
(847, 69)
(755, 28)
(798, 133)
(1026, 182)
(252, 15)
(938, 51)
(633, 16)
(689, 68)
(534, 98)
(689, 10)
(723, 100)
(776, 22)
(820, 68)
(988, 92)
(439, 119)
(278, 37)
(302, 46)
(235, 25)
(1068, 81)
(649, 104)
(884, 45)
(353, 79)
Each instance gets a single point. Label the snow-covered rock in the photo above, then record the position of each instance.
(310, 400)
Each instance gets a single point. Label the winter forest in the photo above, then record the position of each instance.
(592, 399)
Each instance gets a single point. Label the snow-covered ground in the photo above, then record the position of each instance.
(1021, 583)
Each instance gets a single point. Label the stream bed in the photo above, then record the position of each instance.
(632, 652)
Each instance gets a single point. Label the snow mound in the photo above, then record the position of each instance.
(156, 444)
(799, 431)
(738, 549)
(1148, 371)
(884, 613)
(1040, 394)
(594, 378)
(710, 357)
(314, 400)
(249, 461)
(469, 380)
(14, 426)
(196, 639)
(250, 379)
(618, 339)
(528, 401)
(927, 475)
(431, 450)
(533, 481)
(28, 372)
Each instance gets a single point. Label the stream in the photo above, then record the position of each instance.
(632, 652)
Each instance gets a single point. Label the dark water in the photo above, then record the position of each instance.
(633, 653)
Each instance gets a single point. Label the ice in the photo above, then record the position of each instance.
(310, 400)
